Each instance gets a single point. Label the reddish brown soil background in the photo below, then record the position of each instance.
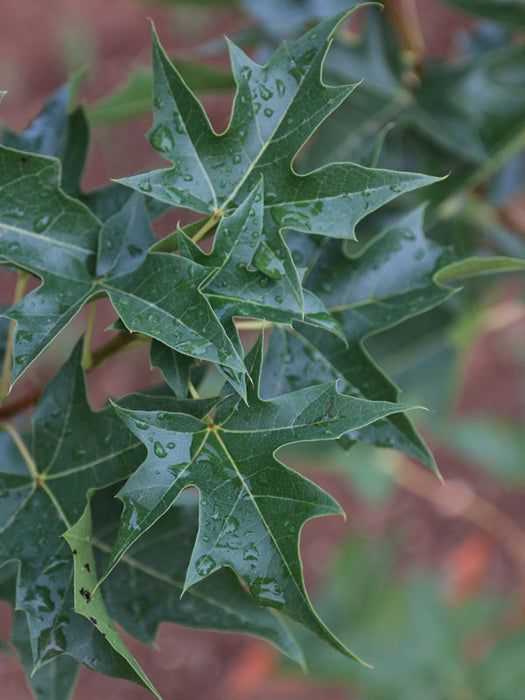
(36, 41)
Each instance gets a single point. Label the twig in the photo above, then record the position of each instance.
(457, 500)
(405, 20)
(114, 346)
(20, 405)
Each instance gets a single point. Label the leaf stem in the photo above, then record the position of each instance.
(446, 209)
(5, 379)
(208, 225)
(28, 459)
(193, 391)
(87, 359)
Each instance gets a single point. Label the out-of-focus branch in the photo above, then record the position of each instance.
(405, 20)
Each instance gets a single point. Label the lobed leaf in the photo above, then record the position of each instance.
(215, 172)
(252, 508)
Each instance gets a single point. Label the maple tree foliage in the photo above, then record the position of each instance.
(107, 497)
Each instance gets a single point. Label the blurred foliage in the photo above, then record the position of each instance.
(420, 644)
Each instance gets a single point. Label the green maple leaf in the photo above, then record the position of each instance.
(252, 507)
(41, 495)
(276, 109)
(56, 679)
(61, 241)
(151, 582)
(46, 493)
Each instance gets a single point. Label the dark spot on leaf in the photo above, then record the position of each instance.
(74, 551)
(85, 594)
(93, 620)
(23, 159)
(86, 567)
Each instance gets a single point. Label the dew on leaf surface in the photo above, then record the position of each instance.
(204, 565)
(267, 591)
(162, 139)
(159, 450)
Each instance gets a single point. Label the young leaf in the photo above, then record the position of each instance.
(276, 109)
(252, 507)
(88, 601)
(241, 285)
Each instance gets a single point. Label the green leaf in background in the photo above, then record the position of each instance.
(284, 18)
(473, 267)
(134, 97)
(420, 644)
(252, 508)
(42, 494)
(149, 586)
(507, 11)
(390, 280)
(492, 444)
(213, 173)
(464, 117)
(57, 131)
(56, 679)
(175, 367)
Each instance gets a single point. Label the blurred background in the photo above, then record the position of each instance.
(424, 580)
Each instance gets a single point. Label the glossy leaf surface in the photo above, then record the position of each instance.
(148, 586)
(216, 172)
(252, 507)
(59, 240)
(41, 495)
(389, 281)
